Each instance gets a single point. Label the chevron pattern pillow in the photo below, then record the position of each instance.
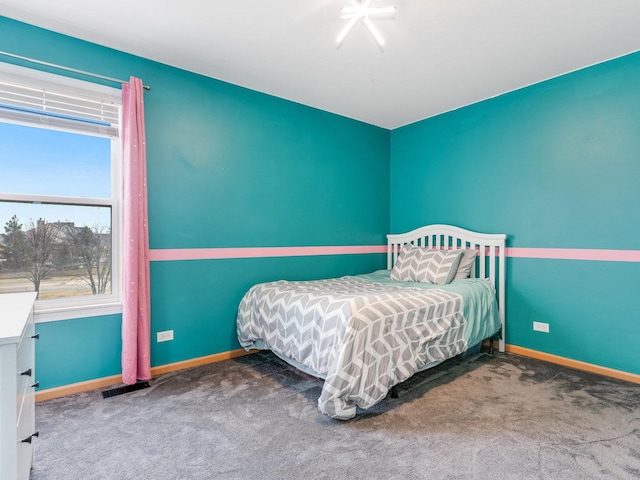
(428, 265)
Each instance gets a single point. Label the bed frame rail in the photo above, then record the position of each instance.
(490, 262)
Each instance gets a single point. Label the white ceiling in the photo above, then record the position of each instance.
(440, 54)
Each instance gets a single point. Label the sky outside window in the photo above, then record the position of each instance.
(51, 162)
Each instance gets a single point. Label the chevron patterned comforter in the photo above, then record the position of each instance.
(364, 334)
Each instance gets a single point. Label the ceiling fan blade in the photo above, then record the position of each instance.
(345, 31)
(373, 31)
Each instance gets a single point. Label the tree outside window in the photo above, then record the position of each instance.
(57, 258)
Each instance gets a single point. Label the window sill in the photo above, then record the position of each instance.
(49, 314)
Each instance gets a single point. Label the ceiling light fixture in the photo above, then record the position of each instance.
(360, 10)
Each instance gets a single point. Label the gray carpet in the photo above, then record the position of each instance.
(500, 417)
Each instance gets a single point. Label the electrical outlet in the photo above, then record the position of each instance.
(165, 336)
(540, 327)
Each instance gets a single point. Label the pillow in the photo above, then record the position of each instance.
(427, 265)
(466, 263)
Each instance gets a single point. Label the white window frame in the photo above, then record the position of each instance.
(89, 305)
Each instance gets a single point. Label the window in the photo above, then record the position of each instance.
(60, 193)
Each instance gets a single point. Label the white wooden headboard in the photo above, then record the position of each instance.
(489, 264)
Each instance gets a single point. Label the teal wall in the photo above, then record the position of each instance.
(554, 165)
(227, 167)
(71, 351)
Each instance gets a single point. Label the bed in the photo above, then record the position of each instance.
(441, 294)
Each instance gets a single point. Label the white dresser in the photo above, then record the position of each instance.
(17, 385)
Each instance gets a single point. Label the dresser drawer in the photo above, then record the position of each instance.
(25, 406)
(24, 460)
(23, 384)
(26, 347)
(26, 415)
(25, 373)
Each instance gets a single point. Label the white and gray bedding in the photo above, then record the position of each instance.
(364, 334)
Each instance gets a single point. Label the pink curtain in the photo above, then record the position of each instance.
(136, 341)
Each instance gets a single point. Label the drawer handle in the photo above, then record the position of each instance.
(36, 336)
(36, 385)
(26, 373)
(30, 437)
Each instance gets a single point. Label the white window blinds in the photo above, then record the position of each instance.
(28, 100)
